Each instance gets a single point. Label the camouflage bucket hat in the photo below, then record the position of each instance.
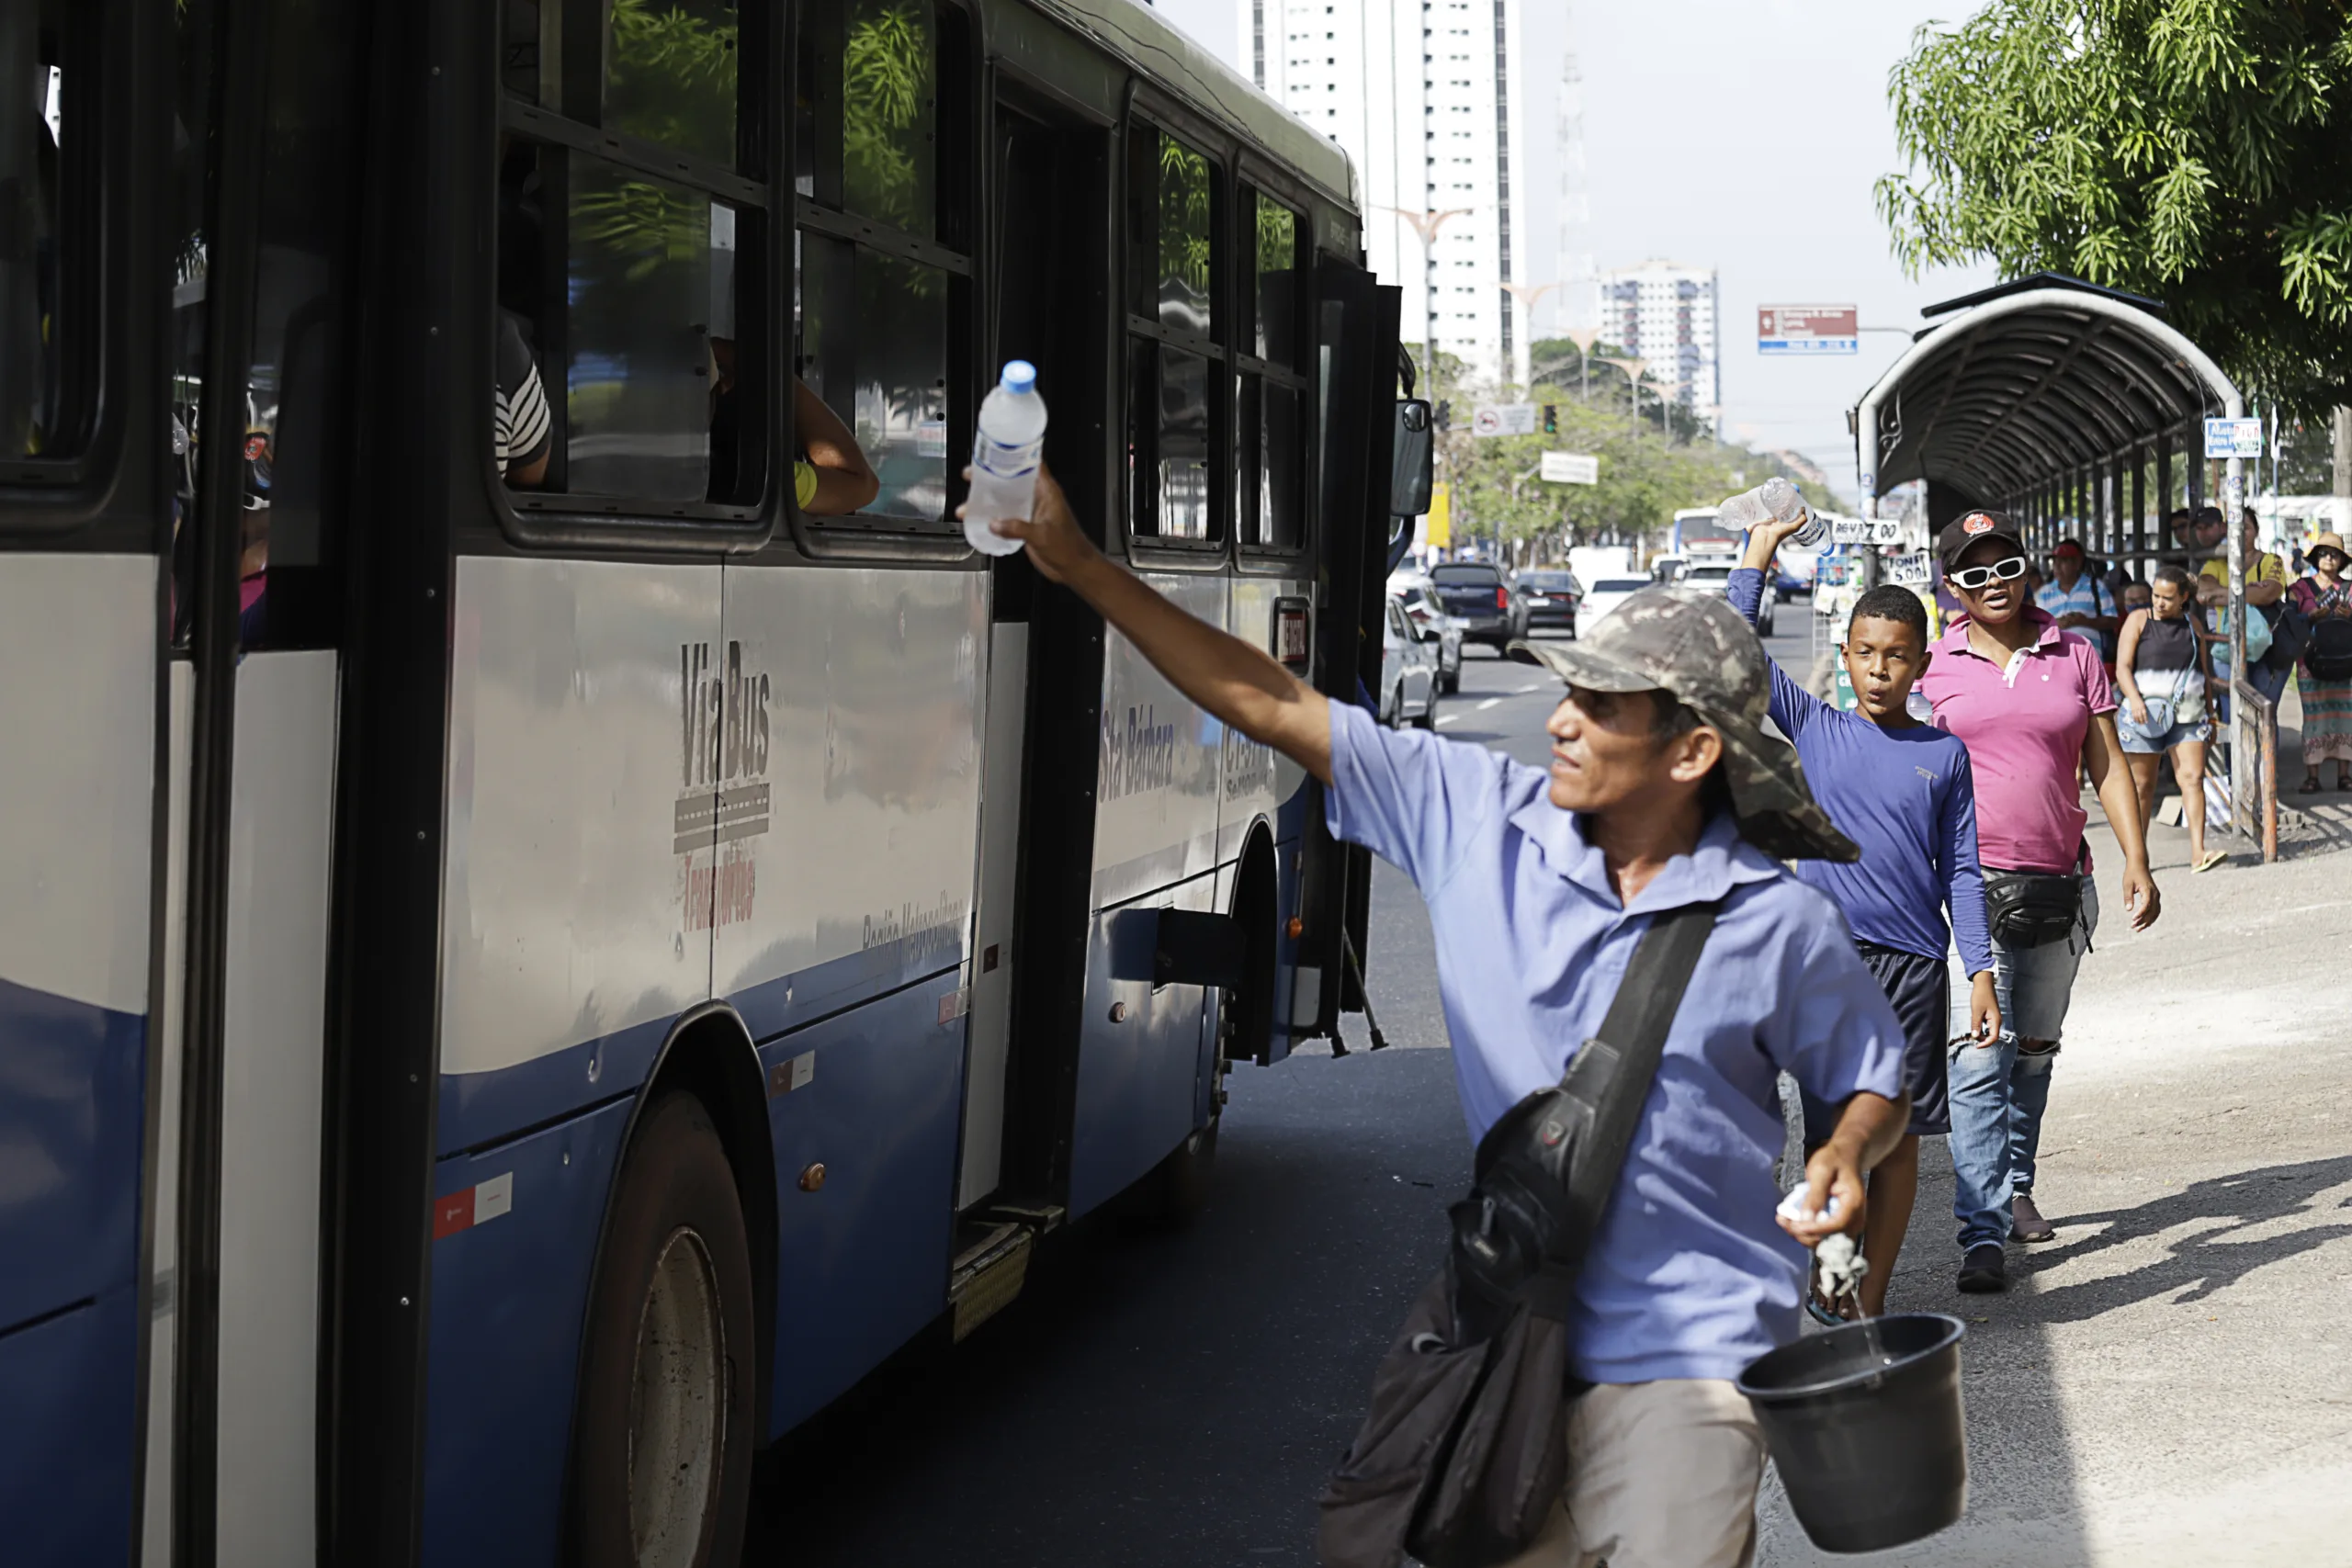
(1695, 644)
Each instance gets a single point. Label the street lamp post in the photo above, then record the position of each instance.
(1584, 338)
(1427, 224)
(1523, 341)
(1635, 369)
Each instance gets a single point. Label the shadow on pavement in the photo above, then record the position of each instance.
(2205, 1261)
(1160, 1400)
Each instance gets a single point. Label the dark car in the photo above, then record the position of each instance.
(1478, 594)
(1552, 598)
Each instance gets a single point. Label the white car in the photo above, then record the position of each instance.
(1715, 576)
(1604, 594)
(1427, 615)
(1407, 672)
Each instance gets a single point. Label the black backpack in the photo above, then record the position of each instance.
(1464, 1449)
(2328, 654)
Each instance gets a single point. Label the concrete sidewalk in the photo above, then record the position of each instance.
(2170, 1381)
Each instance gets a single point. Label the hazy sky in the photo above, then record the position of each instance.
(1742, 133)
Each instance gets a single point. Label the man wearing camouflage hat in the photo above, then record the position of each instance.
(1664, 792)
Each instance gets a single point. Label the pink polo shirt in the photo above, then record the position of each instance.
(2024, 727)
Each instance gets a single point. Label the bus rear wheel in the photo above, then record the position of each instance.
(661, 1466)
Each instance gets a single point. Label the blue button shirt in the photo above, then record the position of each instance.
(1688, 1277)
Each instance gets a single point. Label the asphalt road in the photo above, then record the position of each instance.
(1161, 1400)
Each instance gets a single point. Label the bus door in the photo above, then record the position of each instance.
(82, 616)
(1047, 232)
(1356, 334)
(261, 188)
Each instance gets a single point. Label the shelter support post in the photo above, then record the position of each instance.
(2139, 547)
(2163, 489)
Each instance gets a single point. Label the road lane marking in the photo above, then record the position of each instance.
(1447, 717)
(1490, 702)
(1522, 691)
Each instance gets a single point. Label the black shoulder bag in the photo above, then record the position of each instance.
(1464, 1449)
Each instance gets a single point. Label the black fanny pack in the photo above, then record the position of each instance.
(2032, 908)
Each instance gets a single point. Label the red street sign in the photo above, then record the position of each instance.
(1786, 323)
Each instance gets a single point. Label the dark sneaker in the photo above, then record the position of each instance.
(2026, 1223)
(1983, 1270)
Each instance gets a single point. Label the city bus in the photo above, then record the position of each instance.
(531, 955)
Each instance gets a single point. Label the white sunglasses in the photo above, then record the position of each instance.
(1975, 577)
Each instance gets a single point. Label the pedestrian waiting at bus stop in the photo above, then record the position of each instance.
(2033, 703)
(1664, 792)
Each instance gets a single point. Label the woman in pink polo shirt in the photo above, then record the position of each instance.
(2034, 706)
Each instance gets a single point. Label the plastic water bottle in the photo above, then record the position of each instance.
(1777, 499)
(1006, 445)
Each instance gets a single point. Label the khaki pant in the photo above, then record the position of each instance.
(1660, 1475)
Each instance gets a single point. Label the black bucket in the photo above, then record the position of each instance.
(1865, 1425)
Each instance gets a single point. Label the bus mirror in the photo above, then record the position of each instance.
(1414, 454)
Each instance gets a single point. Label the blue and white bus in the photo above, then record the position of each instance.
(520, 981)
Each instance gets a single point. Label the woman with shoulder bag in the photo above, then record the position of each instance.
(2035, 708)
(2324, 671)
(2164, 706)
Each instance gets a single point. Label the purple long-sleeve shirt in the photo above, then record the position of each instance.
(1906, 797)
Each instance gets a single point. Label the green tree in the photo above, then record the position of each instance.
(2196, 150)
(1645, 477)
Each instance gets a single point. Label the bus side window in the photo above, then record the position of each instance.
(880, 264)
(1268, 472)
(618, 269)
(1177, 376)
(43, 343)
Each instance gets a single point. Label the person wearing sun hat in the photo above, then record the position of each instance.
(1664, 792)
(2034, 706)
(2324, 598)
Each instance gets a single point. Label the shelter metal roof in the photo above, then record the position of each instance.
(2026, 385)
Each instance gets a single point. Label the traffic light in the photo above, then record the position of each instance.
(1551, 419)
(1444, 414)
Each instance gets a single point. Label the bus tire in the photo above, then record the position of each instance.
(661, 1466)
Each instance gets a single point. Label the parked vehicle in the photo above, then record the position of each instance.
(1607, 594)
(1429, 615)
(1407, 671)
(1552, 598)
(1481, 595)
(1714, 575)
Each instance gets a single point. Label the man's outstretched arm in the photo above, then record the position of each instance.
(1240, 684)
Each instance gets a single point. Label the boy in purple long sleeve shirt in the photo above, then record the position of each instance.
(1903, 791)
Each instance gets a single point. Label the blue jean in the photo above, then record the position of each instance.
(2000, 1091)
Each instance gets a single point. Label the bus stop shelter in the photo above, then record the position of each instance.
(2080, 412)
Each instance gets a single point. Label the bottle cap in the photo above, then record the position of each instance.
(1019, 376)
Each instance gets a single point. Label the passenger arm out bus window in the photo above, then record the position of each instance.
(834, 478)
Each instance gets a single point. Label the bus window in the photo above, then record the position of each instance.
(38, 120)
(876, 295)
(616, 274)
(297, 391)
(1268, 477)
(1176, 366)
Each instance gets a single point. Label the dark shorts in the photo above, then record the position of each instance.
(1920, 989)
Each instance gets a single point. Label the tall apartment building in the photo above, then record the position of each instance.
(1665, 314)
(1424, 94)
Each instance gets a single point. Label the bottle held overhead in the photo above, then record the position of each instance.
(1007, 441)
(1778, 501)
